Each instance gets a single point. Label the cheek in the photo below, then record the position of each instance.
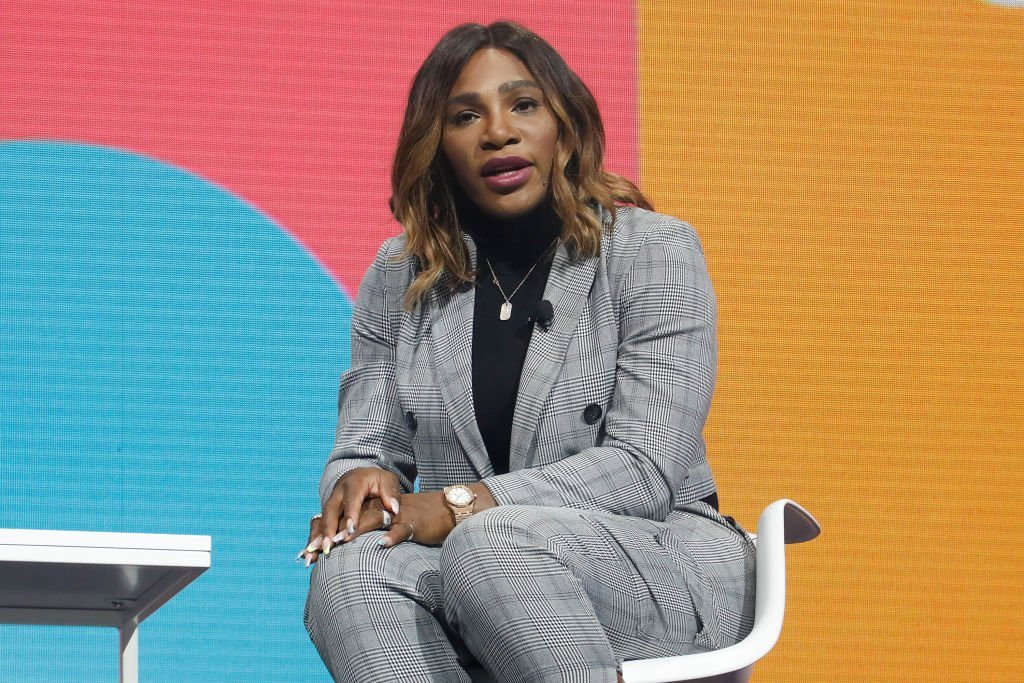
(459, 165)
(450, 151)
(549, 143)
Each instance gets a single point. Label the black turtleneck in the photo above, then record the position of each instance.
(512, 248)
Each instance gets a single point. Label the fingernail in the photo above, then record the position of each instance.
(381, 543)
(314, 545)
(340, 537)
(309, 558)
(302, 553)
(351, 527)
(326, 546)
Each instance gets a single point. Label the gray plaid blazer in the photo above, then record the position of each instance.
(613, 395)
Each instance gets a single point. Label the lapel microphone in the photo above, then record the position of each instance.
(544, 314)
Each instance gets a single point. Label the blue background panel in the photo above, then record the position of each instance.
(168, 364)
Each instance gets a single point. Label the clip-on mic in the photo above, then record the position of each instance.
(545, 313)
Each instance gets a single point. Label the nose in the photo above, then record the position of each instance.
(499, 132)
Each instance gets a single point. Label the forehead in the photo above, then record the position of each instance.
(487, 69)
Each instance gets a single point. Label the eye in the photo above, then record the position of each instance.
(525, 104)
(463, 117)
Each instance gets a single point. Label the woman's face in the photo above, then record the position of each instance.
(499, 135)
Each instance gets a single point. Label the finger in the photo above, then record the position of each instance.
(316, 529)
(371, 518)
(390, 496)
(314, 544)
(353, 507)
(400, 532)
(332, 509)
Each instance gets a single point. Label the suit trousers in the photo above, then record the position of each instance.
(533, 594)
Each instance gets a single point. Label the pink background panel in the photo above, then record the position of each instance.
(293, 106)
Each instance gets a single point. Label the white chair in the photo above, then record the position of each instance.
(781, 522)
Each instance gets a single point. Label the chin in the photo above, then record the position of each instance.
(513, 209)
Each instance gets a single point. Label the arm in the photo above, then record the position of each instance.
(665, 372)
(371, 432)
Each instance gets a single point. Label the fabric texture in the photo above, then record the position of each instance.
(534, 595)
(599, 549)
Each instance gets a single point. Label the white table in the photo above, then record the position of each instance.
(87, 578)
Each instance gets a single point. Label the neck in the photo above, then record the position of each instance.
(514, 241)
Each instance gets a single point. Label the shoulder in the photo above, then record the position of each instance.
(392, 269)
(642, 235)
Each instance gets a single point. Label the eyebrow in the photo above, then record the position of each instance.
(506, 87)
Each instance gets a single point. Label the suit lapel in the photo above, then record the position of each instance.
(452, 331)
(568, 288)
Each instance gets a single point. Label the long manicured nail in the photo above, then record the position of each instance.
(382, 543)
(309, 558)
(314, 545)
(340, 537)
(326, 546)
(351, 527)
(302, 553)
(395, 504)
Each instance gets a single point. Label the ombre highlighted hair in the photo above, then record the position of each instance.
(424, 189)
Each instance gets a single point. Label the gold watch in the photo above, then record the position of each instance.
(460, 500)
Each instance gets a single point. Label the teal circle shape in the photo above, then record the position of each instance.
(169, 364)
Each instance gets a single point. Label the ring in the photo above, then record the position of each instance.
(386, 521)
(317, 516)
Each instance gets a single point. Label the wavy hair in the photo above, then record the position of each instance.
(424, 189)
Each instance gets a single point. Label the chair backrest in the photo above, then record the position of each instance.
(782, 522)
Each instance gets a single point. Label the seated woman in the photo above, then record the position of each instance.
(542, 358)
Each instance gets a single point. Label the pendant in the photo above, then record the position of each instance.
(506, 311)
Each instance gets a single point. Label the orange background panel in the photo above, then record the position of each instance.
(856, 171)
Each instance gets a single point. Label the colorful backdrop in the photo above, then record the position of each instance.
(190, 193)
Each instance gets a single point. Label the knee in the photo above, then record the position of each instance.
(487, 544)
(493, 530)
(342, 579)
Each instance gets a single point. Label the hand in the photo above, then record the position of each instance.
(371, 518)
(347, 498)
(425, 519)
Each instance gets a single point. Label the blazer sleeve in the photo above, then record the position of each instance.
(664, 378)
(371, 432)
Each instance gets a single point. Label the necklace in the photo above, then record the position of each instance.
(505, 312)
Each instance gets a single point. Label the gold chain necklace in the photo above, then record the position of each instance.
(505, 312)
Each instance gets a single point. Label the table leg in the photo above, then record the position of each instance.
(129, 654)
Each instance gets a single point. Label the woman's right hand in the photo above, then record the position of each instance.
(344, 507)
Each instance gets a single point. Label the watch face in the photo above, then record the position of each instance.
(459, 496)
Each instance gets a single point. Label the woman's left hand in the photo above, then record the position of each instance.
(424, 519)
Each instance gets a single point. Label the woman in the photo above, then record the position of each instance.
(542, 358)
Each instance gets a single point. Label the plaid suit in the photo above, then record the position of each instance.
(622, 554)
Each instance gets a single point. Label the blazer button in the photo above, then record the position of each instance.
(410, 421)
(592, 414)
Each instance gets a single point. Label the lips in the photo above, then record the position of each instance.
(507, 174)
(503, 165)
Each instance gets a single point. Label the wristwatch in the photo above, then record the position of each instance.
(460, 500)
